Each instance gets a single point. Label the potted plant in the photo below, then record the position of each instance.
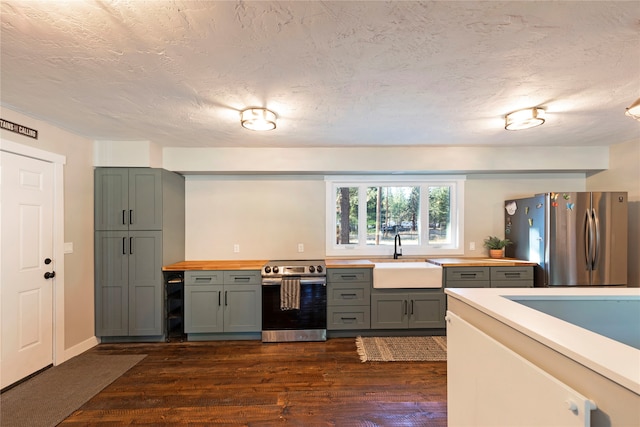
(496, 246)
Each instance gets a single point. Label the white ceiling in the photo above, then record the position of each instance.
(341, 73)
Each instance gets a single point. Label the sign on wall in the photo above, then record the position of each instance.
(22, 130)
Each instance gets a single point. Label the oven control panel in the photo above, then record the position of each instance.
(294, 268)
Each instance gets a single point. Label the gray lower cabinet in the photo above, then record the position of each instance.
(401, 310)
(489, 277)
(349, 299)
(222, 302)
(129, 298)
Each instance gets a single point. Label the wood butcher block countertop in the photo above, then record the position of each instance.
(349, 263)
(216, 265)
(480, 262)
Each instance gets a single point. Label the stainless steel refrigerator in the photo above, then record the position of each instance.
(577, 239)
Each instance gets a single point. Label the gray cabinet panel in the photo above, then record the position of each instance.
(203, 309)
(145, 283)
(349, 317)
(353, 294)
(243, 308)
(427, 310)
(349, 298)
(467, 273)
(346, 275)
(242, 277)
(130, 247)
(111, 199)
(112, 283)
(389, 311)
(203, 277)
(145, 199)
(419, 309)
(223, 301)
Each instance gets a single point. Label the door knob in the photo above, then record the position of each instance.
(49, 274)
(47, 261)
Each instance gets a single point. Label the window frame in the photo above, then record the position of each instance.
(456, 184)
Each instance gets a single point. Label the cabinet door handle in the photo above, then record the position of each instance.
(348, 296)
(124, 221)
(405, 307)
(412, 307)
(219, 296)
(130, 245)
(225, 298)
(124, 250)
(130, 216)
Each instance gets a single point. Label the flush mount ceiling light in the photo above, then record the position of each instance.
(634, 110)
(524, 119)
(258, 119)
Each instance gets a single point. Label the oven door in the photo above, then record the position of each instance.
(313, 306)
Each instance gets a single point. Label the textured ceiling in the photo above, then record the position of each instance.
(342, 73)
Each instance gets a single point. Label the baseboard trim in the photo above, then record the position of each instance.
(79, 349)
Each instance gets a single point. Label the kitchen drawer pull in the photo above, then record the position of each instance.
(203, 279)
(472, 275)
(348, 276)
(349, 296)
(351, 319)
(242, 279)
(513, 275)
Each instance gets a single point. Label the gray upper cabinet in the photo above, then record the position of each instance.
(128, 199)
(139, 220)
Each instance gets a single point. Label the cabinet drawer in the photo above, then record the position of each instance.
(467, 273)
(467, 284)
(195, 277)
(354, 294)
(242, 277)
(349, 317)
(511, 273)
(348, 275)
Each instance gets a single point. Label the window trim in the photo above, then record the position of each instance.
(456, 247)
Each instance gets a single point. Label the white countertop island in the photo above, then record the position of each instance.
(552, 330)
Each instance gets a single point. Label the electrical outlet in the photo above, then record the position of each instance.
(300, 247)
(236, 248)
(472, 246)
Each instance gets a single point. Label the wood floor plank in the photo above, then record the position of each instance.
(249, 383)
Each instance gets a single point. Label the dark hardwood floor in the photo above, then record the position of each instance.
(248, 383)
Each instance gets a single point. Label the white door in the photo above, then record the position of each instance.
(26, 296)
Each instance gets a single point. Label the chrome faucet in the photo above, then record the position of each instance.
(397, 244)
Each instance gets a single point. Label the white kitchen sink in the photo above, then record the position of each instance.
(407, 275)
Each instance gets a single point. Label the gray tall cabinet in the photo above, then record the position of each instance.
(139, 227)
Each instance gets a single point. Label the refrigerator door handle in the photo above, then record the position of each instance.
(588, 239)
(596, 246)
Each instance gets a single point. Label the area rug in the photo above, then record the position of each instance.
(51, 396)
(402, 349)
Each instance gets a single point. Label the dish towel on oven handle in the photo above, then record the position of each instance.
(290, 294)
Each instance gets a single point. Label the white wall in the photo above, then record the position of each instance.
(624, 175)
(269, 215)
(78, 221)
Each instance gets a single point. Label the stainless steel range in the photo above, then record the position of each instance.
(294, 301)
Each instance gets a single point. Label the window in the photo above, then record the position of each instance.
(366, 213)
